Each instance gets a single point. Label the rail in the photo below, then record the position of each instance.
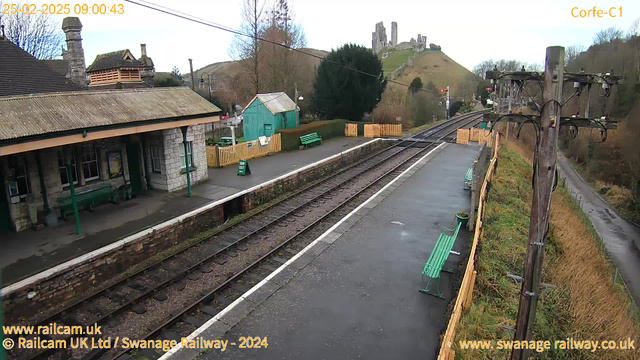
(211, 295)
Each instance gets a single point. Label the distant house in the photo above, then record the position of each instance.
(120, 69)
(267, 113)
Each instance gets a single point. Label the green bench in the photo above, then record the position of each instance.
(436, 261)
(468, 178)
(87, 199)
(310, 139)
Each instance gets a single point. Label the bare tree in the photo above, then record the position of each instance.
(482, 68)
(534, 67)
(634, 29)
(571, 53)
(608, 35)
(37, 34)
(245, 49)
(282, 65)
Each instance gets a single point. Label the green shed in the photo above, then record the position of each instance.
(267, 113)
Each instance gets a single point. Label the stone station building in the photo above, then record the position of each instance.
(133, 139)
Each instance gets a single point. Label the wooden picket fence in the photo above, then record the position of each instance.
(372, 130)
(462, 137)
(479, 135)
(377, 130)
(390, 129)
(351, 130)
(465, 294)
(219, 157)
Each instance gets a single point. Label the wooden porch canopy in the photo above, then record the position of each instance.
(41, 121)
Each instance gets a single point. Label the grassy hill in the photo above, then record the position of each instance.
(232, 68)
(429, 65)
(231, 75)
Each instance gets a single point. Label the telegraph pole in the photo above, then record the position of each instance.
(544, 177)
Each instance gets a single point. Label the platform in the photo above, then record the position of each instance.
(353, 293)
(29, 252)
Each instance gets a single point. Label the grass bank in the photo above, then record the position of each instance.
(586, 304)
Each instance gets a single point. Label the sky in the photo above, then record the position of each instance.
(468, 31)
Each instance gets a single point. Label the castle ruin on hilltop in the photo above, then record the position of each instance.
(379, 40)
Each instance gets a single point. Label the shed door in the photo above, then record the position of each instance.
(268, 130)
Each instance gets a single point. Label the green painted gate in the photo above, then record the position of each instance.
(5, 215)
(135, 175)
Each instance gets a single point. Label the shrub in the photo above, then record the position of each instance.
(326, 129)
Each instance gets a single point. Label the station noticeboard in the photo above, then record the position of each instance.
(243, 168)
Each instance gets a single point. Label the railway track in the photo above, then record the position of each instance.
(212, 273)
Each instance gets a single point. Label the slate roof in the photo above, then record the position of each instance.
(59, 66)
(21, 73)
(275, 102)
(39, 114)
(113, 60)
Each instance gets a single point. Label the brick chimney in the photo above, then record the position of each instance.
(74, 55)
(148, 72)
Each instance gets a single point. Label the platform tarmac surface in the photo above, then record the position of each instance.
(355, 293)
(29, 252)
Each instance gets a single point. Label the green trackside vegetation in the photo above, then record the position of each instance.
(585, 305)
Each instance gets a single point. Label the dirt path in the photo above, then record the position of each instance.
(621, 237)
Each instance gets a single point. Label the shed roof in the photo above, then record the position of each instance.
(21, 73)
(275, 102)
(39, 114)
(114, 60)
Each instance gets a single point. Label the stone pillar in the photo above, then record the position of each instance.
(148, 72)
(74, 54)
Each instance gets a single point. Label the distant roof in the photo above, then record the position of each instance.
(59, 66)
(21, 73)
(275, 102)
(114, 60)
(23, 116)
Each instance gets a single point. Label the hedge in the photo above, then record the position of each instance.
(326, 129)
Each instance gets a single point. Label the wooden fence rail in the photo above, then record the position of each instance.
(377, 130)
(219, 157)
(462, 137)
(390, 129)
(372, 130)
(465, 294)
(351, 130)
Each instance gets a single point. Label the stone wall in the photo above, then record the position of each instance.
(480, 166)
(173, 147)
(84, 277)
(297, 180)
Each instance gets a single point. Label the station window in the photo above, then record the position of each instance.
(156, 158)
(189, 154)
(64, 179)
(90, 168)
(20, 184)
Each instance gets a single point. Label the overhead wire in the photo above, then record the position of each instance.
(189, 17)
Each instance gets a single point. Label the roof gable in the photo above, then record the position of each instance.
(24, 116)
(114, 60)
(21, 73)
(276, 102)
